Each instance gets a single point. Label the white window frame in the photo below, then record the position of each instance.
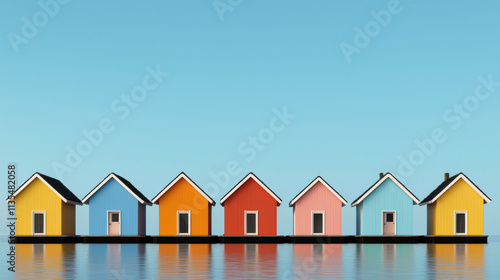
(44, 222)
(189, 222)
(312, 222)
(256, 222)
(107, 221)
(455, 222)
(395, 221)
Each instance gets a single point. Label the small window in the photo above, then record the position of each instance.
(390, 217)
(115, 217)
(460, 223)
(317, 223)
(39, 227)
(251, 223)
(183, 223)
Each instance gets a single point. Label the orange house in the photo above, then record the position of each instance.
(185, 209)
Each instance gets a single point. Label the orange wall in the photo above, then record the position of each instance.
(250, 197)
(184, 197)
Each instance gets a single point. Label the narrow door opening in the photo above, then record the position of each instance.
(39, 223)
(251, 223)
(460, 223)
(389, 223)
(114, 221)
(184, 223)
(318, 223)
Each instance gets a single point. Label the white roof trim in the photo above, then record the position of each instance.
(463, 177)
(37, 176)
(250, 175)
(325, 184)
(119, 181)
(185, 177)
(388, 175)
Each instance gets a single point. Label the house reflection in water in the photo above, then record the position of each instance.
(384, 260)
(116, 261)
(182, 261)
(44, 261)
(250, 261)
(320, 260)
(455, 261)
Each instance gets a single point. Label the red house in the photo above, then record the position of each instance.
(250, 208)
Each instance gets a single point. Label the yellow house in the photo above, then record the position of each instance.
(44, 206)
(455, 207)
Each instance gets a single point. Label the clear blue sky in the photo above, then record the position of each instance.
(362, 84)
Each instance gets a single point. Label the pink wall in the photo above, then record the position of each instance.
(318, 198)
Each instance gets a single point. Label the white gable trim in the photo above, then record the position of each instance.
(182, 176)
(244, 181)
(388, 175)
(325, 184)
(120, 182)
(37, 176)
(463, 177)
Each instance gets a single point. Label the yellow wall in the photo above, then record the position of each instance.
(459, 197)
(39, 197)
(183, 197)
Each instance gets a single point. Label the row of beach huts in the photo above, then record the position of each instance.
(44, 206)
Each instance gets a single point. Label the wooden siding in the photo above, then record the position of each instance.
(112, 196)
(250, 197)
(459, 197)
(68, 226)
(141, 217)
(386, 197)
(318, 198)
(38, 197)
(184, 197)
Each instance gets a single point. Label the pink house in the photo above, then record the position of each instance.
(317, 210)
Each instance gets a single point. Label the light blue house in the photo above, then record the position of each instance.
(116, 207)
(386, 208)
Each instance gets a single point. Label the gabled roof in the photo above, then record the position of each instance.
(306, 189)
(174, 181)
(380, 181)
(55, 185)
(126, 184)
(250, 176)
(444, 186)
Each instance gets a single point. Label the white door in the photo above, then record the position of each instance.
(114, 220)
(39, 223)
(251, 222)
(183, 222)
(318, 223)
(389, 226)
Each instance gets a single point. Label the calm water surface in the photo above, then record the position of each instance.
(257, 261)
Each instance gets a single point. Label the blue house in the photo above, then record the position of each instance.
(116, 207)
(386, 208)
